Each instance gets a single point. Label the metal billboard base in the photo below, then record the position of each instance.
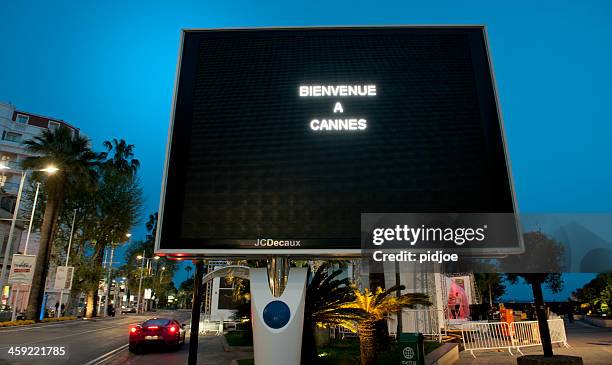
(277, 310)
(278, 296)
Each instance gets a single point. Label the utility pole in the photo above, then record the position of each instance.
(195, 313)
(109, 278)
(140, 281)
(67, 258)
(9, 243)
(25, 248)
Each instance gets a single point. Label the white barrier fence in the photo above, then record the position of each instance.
(504, 336)
(207, 326)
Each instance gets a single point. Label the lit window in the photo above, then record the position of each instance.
(22, 118)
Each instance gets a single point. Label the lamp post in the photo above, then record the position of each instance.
(110, 273)
(25, 249)
(162, 274)
(148, 260)
(108, 281)
(7, 251)
(67, 258)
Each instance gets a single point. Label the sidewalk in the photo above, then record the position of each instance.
(593, 344)
(210, 352)
(590, 356)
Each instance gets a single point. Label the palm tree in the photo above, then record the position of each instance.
(491, 285)
(112, 209)
(152, 226)
(123, 156)
(325, 297)
(377, 306)
(188, 269)
(72, 154)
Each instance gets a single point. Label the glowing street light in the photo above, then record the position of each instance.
(7, 252)
(51, 169)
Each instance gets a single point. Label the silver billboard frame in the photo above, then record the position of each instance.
(331, 253)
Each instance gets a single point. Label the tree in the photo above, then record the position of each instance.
(491, 287)
(152, 227)
(596, 295)
(377, 280)
(325, 297)
(185, 293)
(377, 306)
(122, 156)
(115, 206)
(162, 285)
(77, 163)
(539, 248)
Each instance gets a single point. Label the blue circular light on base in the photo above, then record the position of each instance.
(276, 314)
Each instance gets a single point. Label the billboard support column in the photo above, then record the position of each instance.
(195, 313)
(277, 315)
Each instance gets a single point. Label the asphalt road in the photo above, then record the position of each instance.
(90, 342)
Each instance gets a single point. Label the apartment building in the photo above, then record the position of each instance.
(17, 126)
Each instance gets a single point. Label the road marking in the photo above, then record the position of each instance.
(107, 356)
(63, 324)
(71, 335)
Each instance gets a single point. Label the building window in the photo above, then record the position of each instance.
(11, 136)
(22, 118)
(53, 125)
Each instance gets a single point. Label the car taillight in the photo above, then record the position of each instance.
(153, 327)
(172, 329)
(133, 329)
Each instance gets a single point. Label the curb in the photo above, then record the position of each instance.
(448, 353)
(235, 361)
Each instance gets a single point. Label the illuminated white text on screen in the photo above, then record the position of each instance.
(337, 124)
(351, 124)
(337, 90)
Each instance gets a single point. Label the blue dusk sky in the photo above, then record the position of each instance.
(108, 67)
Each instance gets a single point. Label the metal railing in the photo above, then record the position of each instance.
(504, 336)
(527, 333)
(486, 336)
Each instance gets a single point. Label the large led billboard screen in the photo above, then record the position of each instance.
(280, 138)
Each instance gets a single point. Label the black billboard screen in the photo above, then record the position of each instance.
(288, 135)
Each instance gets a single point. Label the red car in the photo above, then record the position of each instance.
(156, 331)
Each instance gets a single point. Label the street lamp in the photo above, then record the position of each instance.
(67, 258)
(161, 275)
(51, 169)
(110, 272)
(148, 260)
